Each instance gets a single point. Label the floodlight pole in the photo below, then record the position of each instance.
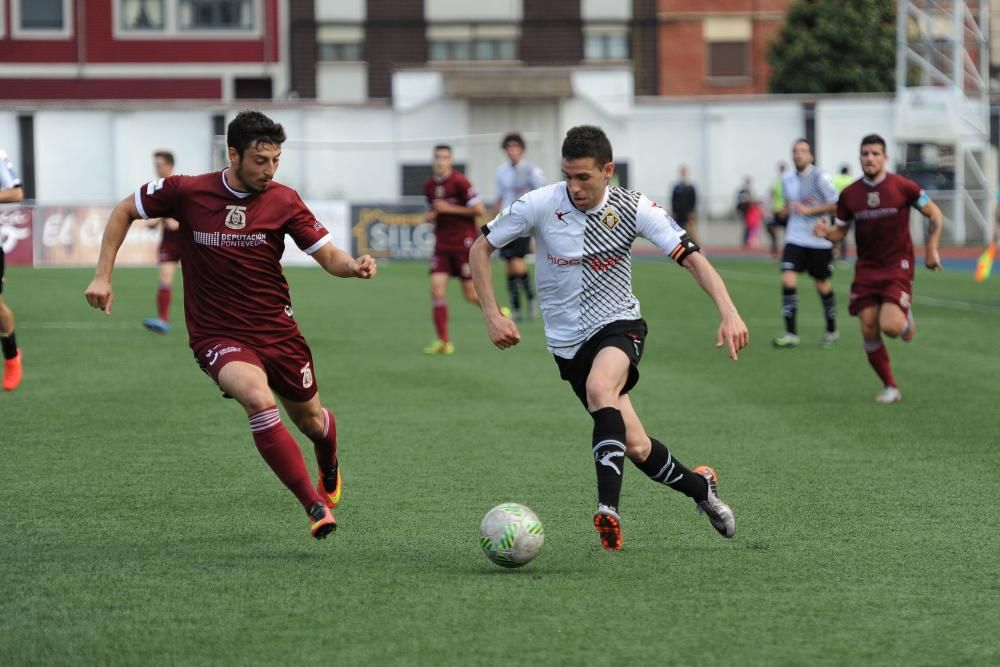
(944, 44)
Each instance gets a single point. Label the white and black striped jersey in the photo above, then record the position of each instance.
(812, 187)
(8, 177)
(584, 258)
(513, 180)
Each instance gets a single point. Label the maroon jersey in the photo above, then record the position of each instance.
(880, 213)
(453, 232)
(231, 246)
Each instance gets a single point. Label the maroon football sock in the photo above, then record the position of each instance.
(441, 319)
(326, 445)
(163, 302)
(279, 449)
(878, 357)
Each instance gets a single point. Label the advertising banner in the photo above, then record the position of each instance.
(53, 236)
(394, 231)
(15, 235)
(71, 236)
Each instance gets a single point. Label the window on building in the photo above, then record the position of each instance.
(215, 15)
(42, 14)
(341, 43)
(728, 59)
(727, 44)
(457, 42)
(340, 52)
(142, 15)
(605, 44)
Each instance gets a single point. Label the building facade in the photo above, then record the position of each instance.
(143, 49)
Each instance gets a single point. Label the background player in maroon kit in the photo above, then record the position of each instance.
(167, 255)
(236, 302)
(454, 207)
(878, 205)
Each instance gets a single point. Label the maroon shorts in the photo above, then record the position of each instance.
(170, 247)
(288, 364)
(452, 262)
(875, 290)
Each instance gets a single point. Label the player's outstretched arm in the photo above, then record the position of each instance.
(732, 332)
(936, 226)
(502, 331)
(98, 292)
(338, 263)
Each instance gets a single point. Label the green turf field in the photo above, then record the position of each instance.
(139, 526)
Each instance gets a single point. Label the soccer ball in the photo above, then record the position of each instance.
(511, 535)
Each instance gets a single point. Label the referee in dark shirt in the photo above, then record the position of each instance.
(683, 202)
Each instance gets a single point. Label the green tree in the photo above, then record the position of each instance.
(835, 46)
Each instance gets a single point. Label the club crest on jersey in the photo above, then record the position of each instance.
(237, 217)
(873, 200)
(610, 219)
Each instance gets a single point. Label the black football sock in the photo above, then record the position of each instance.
(9, 344)
(830, 310)
(789, 306)
(661, 467)
(609, 454)
(526, 284)
(515, 294)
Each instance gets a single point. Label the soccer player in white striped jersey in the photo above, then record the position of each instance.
(10, 192)
(583, 231)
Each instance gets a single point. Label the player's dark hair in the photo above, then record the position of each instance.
(803, 140)
(873, 139)
(845, 170)
(442, 147)
(513, 138)
(167, 156)
(253, 128)
(587, 141)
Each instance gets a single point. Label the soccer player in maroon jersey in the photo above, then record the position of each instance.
(236, 302)
(878, 205)
(453, 207)
(167, 255)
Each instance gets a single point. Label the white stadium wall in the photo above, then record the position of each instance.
(840, 124)
(356, 153)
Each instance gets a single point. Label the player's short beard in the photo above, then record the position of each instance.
(246, 187)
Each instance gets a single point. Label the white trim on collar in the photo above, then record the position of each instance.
(235, 193)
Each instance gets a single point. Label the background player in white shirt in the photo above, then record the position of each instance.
(10, 192)
(515, 177)
(583, 231)
(809, 195)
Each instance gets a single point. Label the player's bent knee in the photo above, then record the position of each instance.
(893, 330)
(637, 446)
(255, 400)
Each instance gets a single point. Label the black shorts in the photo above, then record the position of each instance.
(629, 336)
(517, 248)
(818, 262)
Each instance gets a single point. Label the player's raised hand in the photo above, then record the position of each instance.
(821, 228)
(733, 334)
(364, 267)
(99, 295)
(933, 260)
(502, 330)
